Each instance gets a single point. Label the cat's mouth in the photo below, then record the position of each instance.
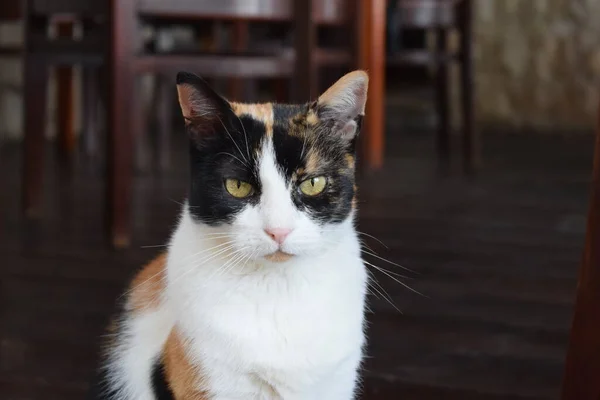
(279, 256)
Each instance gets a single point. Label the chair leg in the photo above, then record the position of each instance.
(119, 157)
(371, 53)
(471, 142)
(35, 83)
(442, 102)
(142, 137)
(119, 147)
(65, 106)
(90, 113)
(165, 117)
(305, 69)
(239, 43)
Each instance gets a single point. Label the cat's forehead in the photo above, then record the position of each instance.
(293, 130)
(296, 118)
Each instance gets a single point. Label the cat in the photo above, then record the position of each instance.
(261, 294)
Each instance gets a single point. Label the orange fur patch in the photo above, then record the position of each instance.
(260, 112)
(312, 118)
(350, 160)
(148, 285)
(312, 162)
(185, 379)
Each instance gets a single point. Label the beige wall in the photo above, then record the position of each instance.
(538, 62)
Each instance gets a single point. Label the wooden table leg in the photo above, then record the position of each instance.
(471, 140)
(371, 53)
(166, 95)
(442, 101)
(65, 127)
(239, 43)
(119, 128)
(90, 112)
(35, 82)
(305, 70)
(582, 370)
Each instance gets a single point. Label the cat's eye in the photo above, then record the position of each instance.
(313, 186)
(237, 188)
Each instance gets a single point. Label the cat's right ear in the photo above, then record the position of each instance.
(204, 111)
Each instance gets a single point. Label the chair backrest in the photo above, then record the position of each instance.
(324, 11)
(424, 13)
(78, 7)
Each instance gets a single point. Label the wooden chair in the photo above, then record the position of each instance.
(443, 16)
(65, 127)
(582, 370)
(115, 46)
(40, 53)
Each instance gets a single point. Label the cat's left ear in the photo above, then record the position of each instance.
(343, 104)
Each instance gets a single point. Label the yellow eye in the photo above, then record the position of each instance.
(313, 186)
(237, 188)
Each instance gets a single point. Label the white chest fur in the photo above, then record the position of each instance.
(295, 327)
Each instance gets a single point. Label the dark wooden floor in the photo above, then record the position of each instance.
(496, 258)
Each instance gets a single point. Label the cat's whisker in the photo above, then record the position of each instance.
(127, 292)
(234, 142)
(397, 275)
(194, 266)
(377, 293)
(303, 146)
(245, 134)
(211, 255)
(389, 262)
(177, 202)
(394, 279)
(229, 154)
(191, 256)
(153, 246)
(372, 237)
(222, 236)
(243, 259)
(221, 270)
(250, 257)
(382, 292)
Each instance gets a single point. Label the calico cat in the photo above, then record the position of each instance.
(261, 293)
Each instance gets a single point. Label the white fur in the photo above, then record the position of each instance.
(130, 362)
(254, 325)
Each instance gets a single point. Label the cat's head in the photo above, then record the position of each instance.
(276, 179)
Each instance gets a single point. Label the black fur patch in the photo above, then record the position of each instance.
(231, 153)
(288, 151)
(161, 388)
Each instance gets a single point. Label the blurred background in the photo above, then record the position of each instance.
(475, 167)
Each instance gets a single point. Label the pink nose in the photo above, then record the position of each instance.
(278, 234)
